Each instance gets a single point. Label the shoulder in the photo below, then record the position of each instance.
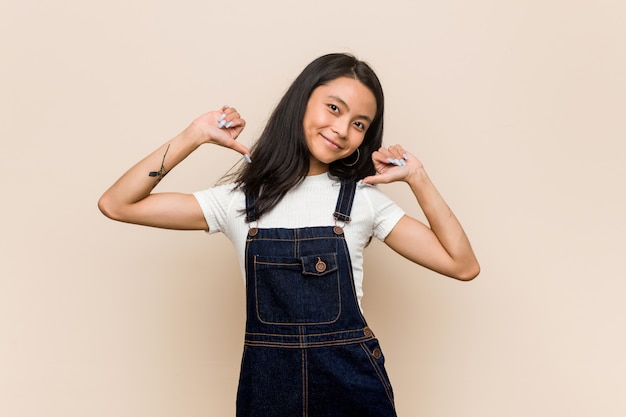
(222, 206)
(373, 196)
(383, 212)
(222, 196)
(221, 190)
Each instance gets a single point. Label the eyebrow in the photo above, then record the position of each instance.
(343, 103)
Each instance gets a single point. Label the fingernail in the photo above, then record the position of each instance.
(401, 162)
(221, 124)
(405, 156)
(230, 124)
(391, 160)
(247, 158)
(222, 117)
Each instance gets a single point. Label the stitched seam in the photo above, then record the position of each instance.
(305, 380)
(379, 373)
(337, 332)
(306, 345)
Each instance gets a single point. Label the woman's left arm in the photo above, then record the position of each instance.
(442, 247)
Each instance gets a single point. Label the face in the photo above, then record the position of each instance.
(335, 121)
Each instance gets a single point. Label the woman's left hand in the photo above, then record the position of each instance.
(440, 243)
(392, 164)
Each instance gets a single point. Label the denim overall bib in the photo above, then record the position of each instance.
(308, 351)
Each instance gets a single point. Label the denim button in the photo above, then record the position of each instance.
(367, 332)
(338, 230)
(377, 353)
(320, 266)
(253, 231)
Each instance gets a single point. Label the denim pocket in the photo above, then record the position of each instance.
(301, 290)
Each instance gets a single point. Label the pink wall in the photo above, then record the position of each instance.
(516, 108)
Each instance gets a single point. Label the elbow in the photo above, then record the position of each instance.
(107, 208)
(469, 272)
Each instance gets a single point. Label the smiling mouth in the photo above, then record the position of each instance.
(332, 143)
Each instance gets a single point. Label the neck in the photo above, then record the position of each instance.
(317, 167)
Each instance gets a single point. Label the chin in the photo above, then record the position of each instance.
(331, 160)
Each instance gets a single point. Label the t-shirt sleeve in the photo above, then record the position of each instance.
(386, 212)
(216, 203)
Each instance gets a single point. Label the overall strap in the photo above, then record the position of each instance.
(344, 201)
(250, 214)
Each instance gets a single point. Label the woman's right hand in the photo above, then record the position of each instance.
(221, 127)
(130, 199)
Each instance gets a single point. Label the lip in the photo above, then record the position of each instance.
(334, 144)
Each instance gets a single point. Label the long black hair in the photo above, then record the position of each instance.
(280, 156)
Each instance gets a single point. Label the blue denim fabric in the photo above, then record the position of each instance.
(308, 350)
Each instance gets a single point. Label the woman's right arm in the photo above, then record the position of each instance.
(130, 199)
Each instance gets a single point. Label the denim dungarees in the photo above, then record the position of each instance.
(308, 350)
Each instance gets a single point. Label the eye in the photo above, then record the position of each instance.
(333, 108)
(360, 125)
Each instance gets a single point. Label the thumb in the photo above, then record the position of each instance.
(376, 179)
(242, 149)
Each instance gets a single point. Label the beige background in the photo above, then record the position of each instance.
(516, 108)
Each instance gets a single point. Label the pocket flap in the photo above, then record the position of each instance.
(318, 265)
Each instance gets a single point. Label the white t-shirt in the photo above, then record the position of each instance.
(312, 203)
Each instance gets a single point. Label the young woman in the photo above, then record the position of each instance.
(299, 214)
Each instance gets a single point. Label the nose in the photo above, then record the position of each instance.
(340, 127)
